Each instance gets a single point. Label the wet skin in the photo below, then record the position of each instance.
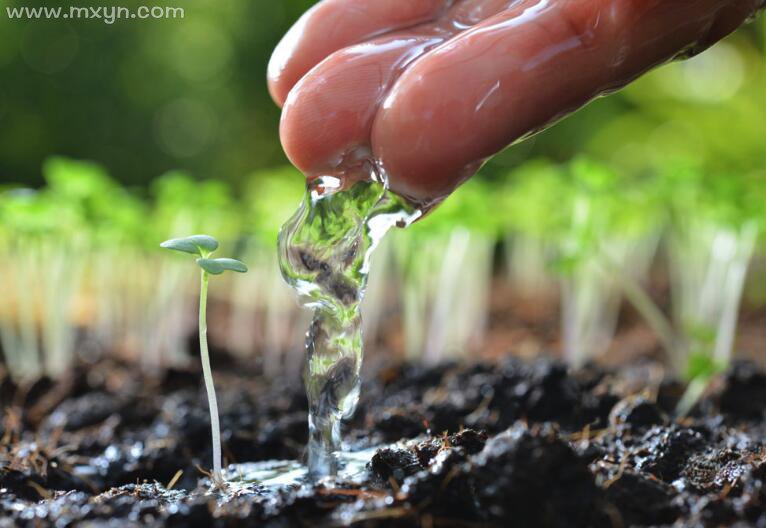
(431, 88)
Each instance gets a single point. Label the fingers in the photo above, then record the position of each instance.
(730, 19)
(468, 13)
(327, 119)
(473, 95)
(433, 121)
(518, 71)
(334, 24)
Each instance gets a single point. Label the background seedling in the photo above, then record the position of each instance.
(204, 246)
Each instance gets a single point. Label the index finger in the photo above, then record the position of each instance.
(332, 25)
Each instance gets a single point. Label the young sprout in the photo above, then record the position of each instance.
(203, 246)
(700, 370)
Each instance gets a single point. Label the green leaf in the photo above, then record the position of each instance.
(232, 264)
(194, 244)
(219, 265)
(212, 266)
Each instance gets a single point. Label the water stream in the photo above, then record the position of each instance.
(324, 254)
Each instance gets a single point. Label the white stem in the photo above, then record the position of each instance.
(26, 298)
(275, 316)
(733, 289)
(446, 294)
(691, 396)
(527, 264)
(414, 311)
(644, 305)
(709, 267)
(209, 387)
(415, 273)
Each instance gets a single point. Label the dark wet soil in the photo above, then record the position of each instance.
(504, 444)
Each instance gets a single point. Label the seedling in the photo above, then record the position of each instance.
(203, 246)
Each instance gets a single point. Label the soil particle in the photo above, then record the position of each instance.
(712, 511)
(484, 396)
(664, 451)
(637, 499)
(636, 412)
(721, 469)
(523, 475)
(549, 392)
(31, 472)
(752, 504)
(87, 410)
(534, 478)
(394, 463)
(470, 440)
(669, 393)
(744, 393)
(444, 489)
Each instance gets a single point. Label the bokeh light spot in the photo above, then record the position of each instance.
(49, 46)
(715, 75)
(185, 127)
(200, 51)
(712, 76)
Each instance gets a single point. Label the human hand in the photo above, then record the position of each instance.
(432, 88)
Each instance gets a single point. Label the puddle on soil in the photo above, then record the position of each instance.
(271, 476)
(324, 254)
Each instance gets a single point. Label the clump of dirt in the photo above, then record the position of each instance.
(490, 444)
(535, 478)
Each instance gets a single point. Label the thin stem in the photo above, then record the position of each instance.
(646, 307)
(208, 375)
(694, 391)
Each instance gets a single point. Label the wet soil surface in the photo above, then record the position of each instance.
(502, 444)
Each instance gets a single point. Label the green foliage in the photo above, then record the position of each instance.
(471, 206)
(141, 97)
(183, 203)
(576, 207)
(533, 199)
(694, 193)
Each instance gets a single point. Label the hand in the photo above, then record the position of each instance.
(432, 88)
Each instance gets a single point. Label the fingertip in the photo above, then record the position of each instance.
(421, 132)
(332, 25)
(287, 64)
(329, 113)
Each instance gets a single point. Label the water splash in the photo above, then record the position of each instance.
(273, 476)
(324, 254)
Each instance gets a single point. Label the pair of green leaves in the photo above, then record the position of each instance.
(204, 245)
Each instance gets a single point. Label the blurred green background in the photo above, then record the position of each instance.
(114, 137)
(142, 97)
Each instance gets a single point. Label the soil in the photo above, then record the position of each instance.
(507, 443)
